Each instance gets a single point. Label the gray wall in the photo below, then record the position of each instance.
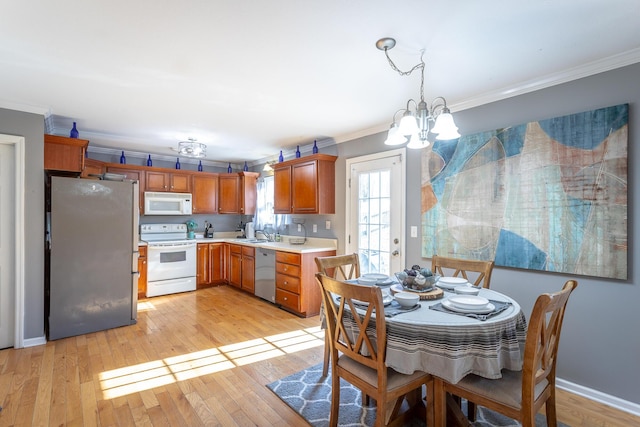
(600, 346)
(31, 127)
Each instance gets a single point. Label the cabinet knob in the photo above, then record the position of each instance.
(285, 298)
(286, 283)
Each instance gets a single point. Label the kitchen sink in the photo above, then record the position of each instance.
(251, 240)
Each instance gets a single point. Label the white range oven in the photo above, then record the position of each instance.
(171, 259)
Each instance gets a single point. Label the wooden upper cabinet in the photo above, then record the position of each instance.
(229, 193)
(175, 182)
(305, 185)
(131, 172)
(205, 193)
(249, 192)
(92, 167)
(64, 154)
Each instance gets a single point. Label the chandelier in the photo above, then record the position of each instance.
(191, 148)
(416, 124)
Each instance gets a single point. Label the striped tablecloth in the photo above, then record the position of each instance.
(451, 346)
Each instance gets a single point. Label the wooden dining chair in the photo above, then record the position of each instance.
(341, 267)
(454, 267)
(521, 394)
(358, 353)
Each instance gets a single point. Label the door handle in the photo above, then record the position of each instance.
(395, 253)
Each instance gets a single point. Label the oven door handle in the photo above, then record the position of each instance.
(171, 245)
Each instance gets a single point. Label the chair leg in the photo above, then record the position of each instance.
(471, 411)
(327, 353)
(550, 408)
(335, 400)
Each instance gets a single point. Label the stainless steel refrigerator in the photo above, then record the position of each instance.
(93, 251)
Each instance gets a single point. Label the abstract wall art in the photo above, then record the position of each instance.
(549, 195)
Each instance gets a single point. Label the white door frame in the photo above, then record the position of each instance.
(19, 149)
(402, 152)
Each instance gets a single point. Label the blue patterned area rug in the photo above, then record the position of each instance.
(309, 394)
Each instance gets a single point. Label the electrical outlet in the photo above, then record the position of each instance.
(414, 231)
(315, 228)
(327, 225)
(299, 227)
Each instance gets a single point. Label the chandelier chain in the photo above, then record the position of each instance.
(419, 66)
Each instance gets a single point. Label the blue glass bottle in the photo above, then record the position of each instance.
(297, 151)
(315, 147)
(177, 162)
(229, 170)
(123, 159)
(149, 162)
(200, 166)
(74, 131)
(281, 158)
(245, 168)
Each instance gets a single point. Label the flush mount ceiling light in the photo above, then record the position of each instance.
(416, 124)
(191, 148)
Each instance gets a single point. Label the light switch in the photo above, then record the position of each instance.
(327, 225)
(414, 231)
(299, 227)
(315, 228)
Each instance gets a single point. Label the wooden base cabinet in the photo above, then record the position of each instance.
(210, 265)
(242, 264)
(296, 287)
(142, 269)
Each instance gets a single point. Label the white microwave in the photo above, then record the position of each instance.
(167, 203)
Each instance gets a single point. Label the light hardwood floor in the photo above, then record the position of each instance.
(200, 358)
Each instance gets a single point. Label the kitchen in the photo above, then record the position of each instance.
(174, 254)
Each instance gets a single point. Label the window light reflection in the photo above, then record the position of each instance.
(157, 373)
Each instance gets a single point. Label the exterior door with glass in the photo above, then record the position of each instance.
(375, 211)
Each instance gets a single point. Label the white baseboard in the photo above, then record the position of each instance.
(32, 342)
(607, 399)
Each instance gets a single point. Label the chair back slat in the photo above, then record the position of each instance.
(543, 338)
(341, 267)
(349, 310)
(480, 270)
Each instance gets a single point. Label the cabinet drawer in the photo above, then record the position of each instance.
(288, 299)
(288, 258)
(292, 270)
(248, 251)
(289, 283)
(235, 249)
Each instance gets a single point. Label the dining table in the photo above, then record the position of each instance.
(452, 344)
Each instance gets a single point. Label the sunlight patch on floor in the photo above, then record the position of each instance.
(145, 376)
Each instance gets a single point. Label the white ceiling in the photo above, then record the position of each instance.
(249, 78)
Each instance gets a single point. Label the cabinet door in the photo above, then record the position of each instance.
(205, 194)
(180, 182)
(304, 191)
(142, 269)
(235, 266)
(282, 190)
(248, 273)
(228, 194)
(92, 167)
(249, 190)
(156, 181)
(64, 154)
(202, 265)
(216, 263)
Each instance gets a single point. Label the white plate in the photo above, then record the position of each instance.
(468, 301)
(376, 276)
(451, 282)
(386, 300)
(484, 310)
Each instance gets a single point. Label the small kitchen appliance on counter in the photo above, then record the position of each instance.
(249, 231)
(171, 259)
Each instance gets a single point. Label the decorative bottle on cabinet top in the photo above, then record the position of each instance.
(315, 147)
(297, 151)
(229, 170)
(123, 159)
(74, 131)
(245, 168)
(280, 157)
(200, 166)
(177, 162)
(149, 162)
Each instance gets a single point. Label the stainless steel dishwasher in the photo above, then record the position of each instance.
(265, 279)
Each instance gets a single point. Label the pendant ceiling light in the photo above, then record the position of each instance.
(416, 123)
(191, 148)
